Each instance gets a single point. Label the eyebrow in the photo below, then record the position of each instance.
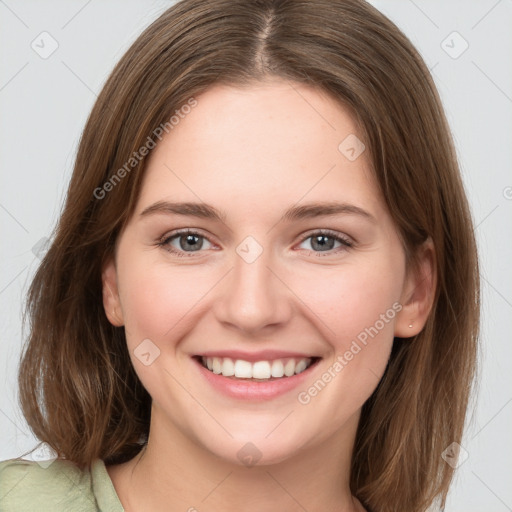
(306, 211)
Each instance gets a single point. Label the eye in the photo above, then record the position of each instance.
(187, 241)
(323, 241)
(183, 242)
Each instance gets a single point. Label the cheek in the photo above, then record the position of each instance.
(158, 301)
(160, 306)
(352, 297)
(357, 305)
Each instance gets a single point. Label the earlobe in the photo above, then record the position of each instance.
(418, 293)
(111, 302)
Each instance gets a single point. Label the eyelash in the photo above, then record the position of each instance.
(346, 242)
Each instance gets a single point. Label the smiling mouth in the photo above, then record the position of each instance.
(260, 371)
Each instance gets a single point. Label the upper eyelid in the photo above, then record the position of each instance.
(183, 231)
(327, 232)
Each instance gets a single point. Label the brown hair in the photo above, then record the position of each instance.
(78, 389)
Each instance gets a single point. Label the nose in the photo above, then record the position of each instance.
(253, 297)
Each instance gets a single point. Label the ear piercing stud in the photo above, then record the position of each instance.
(410, 326)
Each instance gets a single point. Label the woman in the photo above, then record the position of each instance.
(263, 289)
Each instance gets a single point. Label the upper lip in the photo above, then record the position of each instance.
(262, 355)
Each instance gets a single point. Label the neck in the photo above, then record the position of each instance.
(173, 472)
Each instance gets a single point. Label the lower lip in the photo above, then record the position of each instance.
(245, 389)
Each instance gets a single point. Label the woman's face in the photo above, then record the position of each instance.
(271, 280)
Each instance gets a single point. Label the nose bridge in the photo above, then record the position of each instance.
(252, 296)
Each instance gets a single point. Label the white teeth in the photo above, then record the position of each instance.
(217, 365)
(259, 370)
(277, 368)
(301, 366)
(228, 367)
(243, 369)
(289, 368)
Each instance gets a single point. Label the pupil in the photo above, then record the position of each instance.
(323, 245)
(190, 242)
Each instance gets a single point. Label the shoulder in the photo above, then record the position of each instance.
(55, 486)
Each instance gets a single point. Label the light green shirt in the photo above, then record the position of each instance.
(29, 486)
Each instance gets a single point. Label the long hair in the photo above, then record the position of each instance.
(78, 389)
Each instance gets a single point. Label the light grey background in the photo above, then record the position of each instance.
(44, 103)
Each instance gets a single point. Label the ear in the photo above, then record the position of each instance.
(418, 293)
(111, 302)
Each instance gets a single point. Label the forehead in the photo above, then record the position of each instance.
(259, 146)
(266, 118)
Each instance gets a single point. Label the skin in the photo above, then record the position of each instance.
(253, 152)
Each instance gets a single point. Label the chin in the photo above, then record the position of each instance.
(258, 449)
